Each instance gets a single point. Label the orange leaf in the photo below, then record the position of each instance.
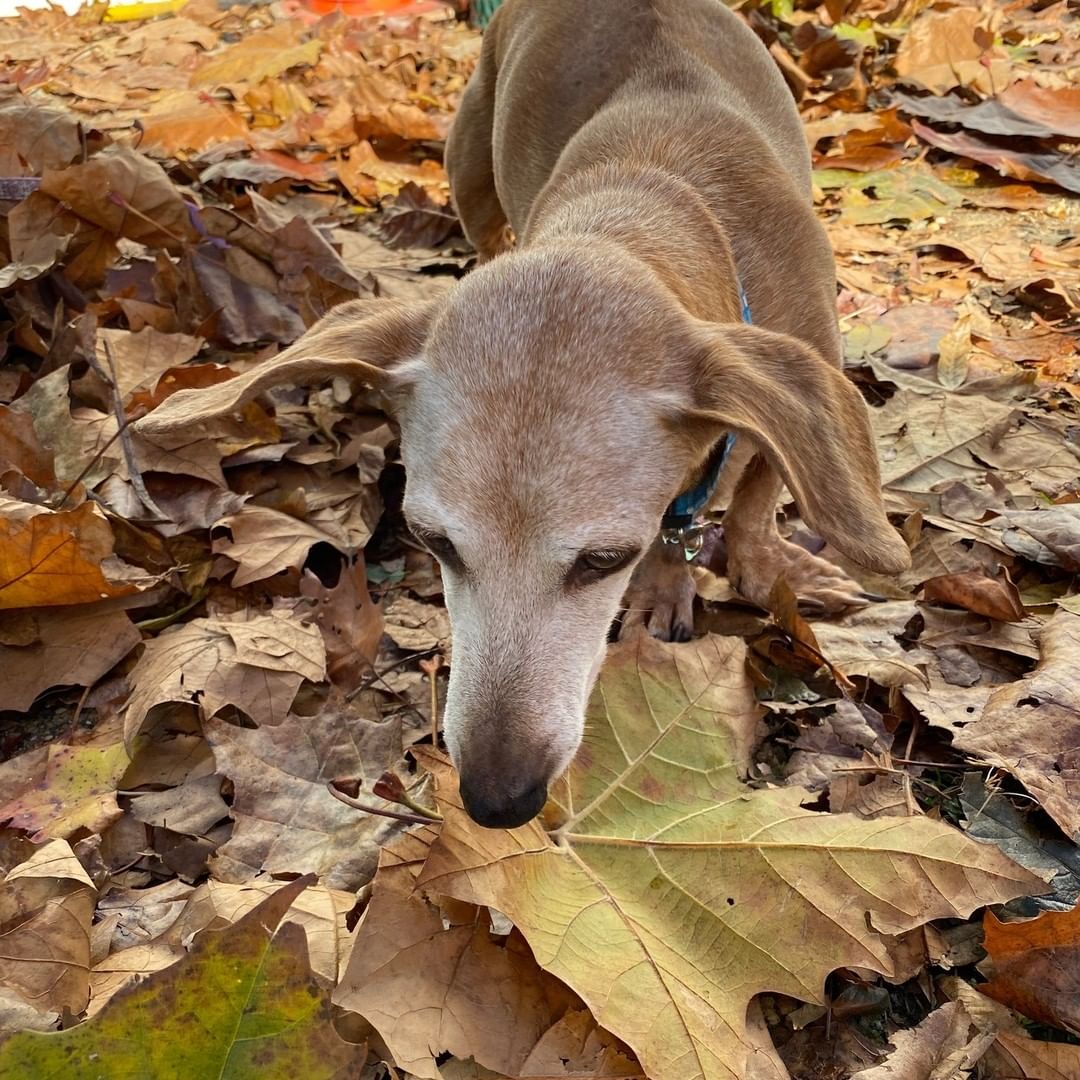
(53, 558)
(996, 598)
(1037, 966)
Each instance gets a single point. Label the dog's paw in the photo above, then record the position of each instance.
(660, 597)
(822, 588)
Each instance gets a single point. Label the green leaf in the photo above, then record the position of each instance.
(243, 1003)
(671, 894)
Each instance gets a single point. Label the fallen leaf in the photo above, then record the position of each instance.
(256, 665)
(946, 1044)
(1031, 728)
(990, 816)
(265, 542)
(54, 558)
(64, 648)
(1014, 1054)
(996, 598)
(59, 789)
(1036, 966)
(351, 624)
(126, 194)
(1046, 165)
(247, 991)
(285, 818)
(258, 56)
(948, 48)
(415, 626)
(431, 984)
(662, 854)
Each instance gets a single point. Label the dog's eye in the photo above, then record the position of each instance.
(441, 547)
(593, 565)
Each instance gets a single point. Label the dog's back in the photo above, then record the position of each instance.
(682, 78)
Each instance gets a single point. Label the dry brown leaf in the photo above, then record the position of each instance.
(53, 558)
(125, 194)
(1035, 964)
(415, 626)
(351, 624)
(45, 908)
(258, 56)
(319, 910)
(265, 542)
(257, 666)
(140, 358)
(996, 598)
(1032, 727)
(1014, 1054)
(193, 807)
(945, 1046)
(953, 48)
(434, 981)
(62, 647)
(286, 821)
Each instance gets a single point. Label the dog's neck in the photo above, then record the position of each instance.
(654, 215)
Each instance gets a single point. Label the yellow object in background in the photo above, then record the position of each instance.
(145, 10)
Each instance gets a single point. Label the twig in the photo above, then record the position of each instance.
(431, 669)
(163, 621)
(356, 804)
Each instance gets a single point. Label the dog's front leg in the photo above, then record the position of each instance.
(660, 597)
(757, 554)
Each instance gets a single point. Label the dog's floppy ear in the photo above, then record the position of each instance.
(813, 427)
(366, 340)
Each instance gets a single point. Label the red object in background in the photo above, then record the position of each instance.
(358, 8)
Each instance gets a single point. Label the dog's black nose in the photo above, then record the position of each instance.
(499, 810)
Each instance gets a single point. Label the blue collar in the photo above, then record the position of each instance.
(684, 508)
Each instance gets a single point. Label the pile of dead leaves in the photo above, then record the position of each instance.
(772, 856)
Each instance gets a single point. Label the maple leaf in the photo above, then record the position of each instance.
(256, 665)
(247, 991)
(670, 894)
(285, 819)
(49, 558)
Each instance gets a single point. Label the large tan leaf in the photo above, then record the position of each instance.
(265, 542)
(433, 982)
(257, 665)
(670, 895)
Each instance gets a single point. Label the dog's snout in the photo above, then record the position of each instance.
(496, 808)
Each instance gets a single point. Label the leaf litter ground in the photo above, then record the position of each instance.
(790, 848)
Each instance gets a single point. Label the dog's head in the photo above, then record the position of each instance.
(550, 409)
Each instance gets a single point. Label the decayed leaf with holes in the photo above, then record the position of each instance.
(58, 789)
(62, 647)
(1032, 727)
(49, 558)
(247, 991)
(658, 897)
(256, 665)
(1035, 966)
(285, 819)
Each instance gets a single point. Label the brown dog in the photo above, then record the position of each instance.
(649, 159)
